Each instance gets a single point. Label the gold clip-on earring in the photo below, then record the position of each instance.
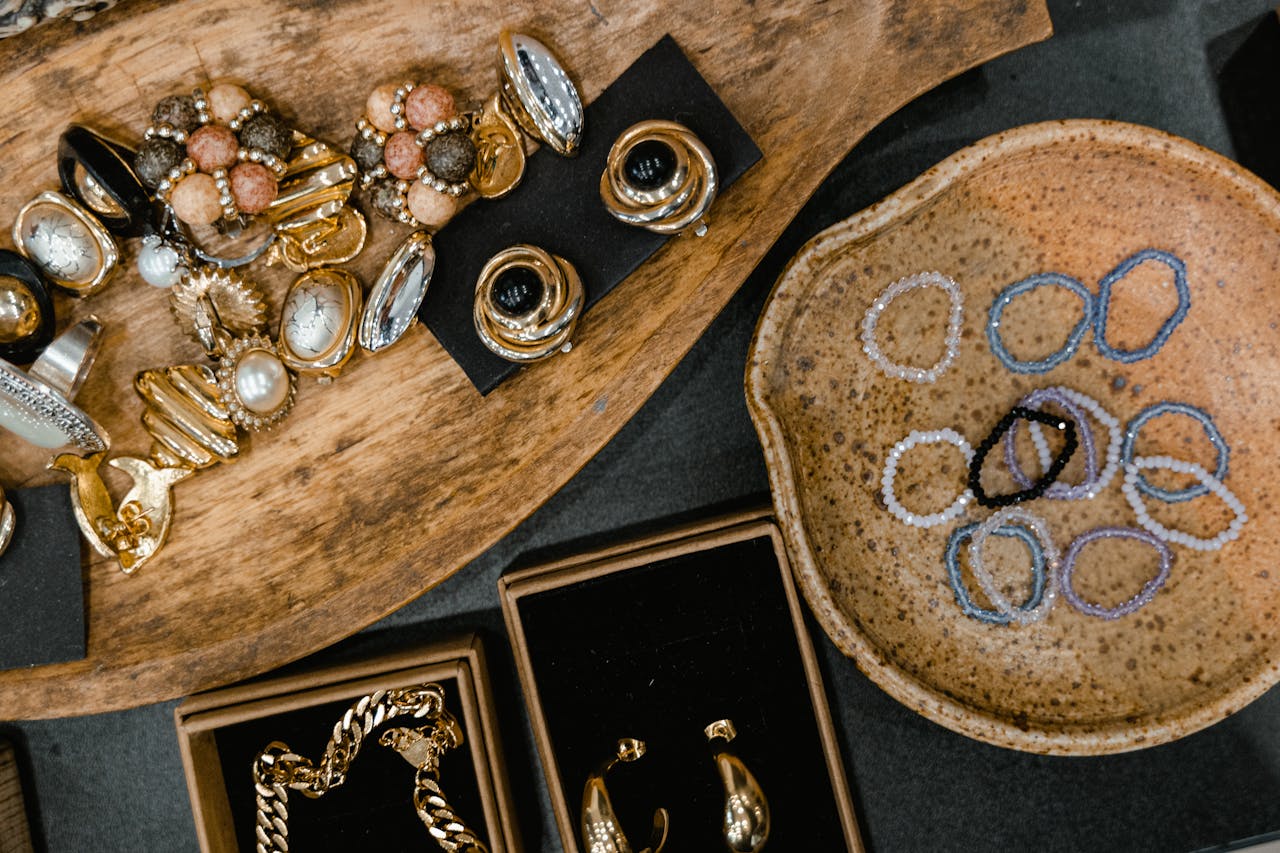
(601, 832)
(746, 811)
(660, 176)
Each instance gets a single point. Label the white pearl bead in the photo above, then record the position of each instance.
(159, 264)
(261, 382)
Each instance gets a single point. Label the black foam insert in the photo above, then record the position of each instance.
(41, 590)
(374, 805)
(659, 651)
(557, 205)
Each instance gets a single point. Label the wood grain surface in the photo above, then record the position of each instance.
(384, 484)
(15, 831)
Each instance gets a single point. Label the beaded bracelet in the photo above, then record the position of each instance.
(1056, 491)
(955, 322)
(1022, 517)
(994, 617)
(1211, 431)
(1103, 305)
(1149, 589)
(1049, 476)
(917, 437)
(1042, 365)
(1132, 478)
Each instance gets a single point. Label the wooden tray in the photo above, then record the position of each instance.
(1074, 197)
(384, 484)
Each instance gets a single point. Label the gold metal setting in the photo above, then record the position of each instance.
(8, 521)
(500, 157)
(277, 770)
(318, 322)
(209, 295)
(189, 425)
(66, 242)
(392, 306)
(681, 201)
(746, 811)
(546, 328)
(601, 831)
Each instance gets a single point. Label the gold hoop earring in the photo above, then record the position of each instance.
(601, 832)
(746, 811)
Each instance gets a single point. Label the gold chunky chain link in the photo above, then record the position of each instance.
(276, 769)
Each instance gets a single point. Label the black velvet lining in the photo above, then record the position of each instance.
(659, 651)
(41, 591)
(558, 207)
(374, 805)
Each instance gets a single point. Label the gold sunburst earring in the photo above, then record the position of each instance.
(746, 811)
(601, 831)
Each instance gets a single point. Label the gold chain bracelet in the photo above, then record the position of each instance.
(276, 769)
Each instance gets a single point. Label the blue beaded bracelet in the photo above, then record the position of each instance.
(1102, 309)
(1043, 365)
(1211, 431)
(994, 617)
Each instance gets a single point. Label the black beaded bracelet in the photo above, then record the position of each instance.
(1046, 480)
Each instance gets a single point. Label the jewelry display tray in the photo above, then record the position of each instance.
(667, 635)
(221, 732)
(322, 527)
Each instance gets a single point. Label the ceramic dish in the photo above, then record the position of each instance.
(1077, 198)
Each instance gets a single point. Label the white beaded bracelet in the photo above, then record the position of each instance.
(917, 437)
(955, 323)
(1019, 517)
(1102, 416)
(1181, 466)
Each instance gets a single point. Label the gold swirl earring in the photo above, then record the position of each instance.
(527, 302)
(601, 832)
(746, 811)
(661, 177)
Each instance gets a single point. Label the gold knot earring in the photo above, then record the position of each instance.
(601, 832)
(746, 811)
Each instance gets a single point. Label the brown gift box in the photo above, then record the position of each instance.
(301, 711)
(655, 639)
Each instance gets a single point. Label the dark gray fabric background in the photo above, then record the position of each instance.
(114, 781)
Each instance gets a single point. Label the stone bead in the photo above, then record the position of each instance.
(155, 158)
(403, 155)
(366, 152)
(267, 133)
(213, 147)
(253, 187)
(178, 111)
(261, 382)
(649, 164)
(195, 200)
(429, 104)
(433, 209)
(517, 291)
(451, 157)
(378, 108)
(385, 198)
(226, 100)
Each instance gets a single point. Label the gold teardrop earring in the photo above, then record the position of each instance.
(746, 811)
(601, 831)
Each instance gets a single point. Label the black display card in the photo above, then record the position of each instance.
(658, 652)
(373, 807)
(557, 206)
(41, 590)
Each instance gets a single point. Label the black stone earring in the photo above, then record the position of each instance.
(661, 177)
(526, 304)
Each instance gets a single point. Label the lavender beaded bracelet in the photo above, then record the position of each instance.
(1058, 490)
(1144, 596)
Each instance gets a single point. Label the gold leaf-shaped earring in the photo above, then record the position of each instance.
(601, 832)
(746, 811)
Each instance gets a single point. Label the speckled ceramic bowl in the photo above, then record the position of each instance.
(1075, 197)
